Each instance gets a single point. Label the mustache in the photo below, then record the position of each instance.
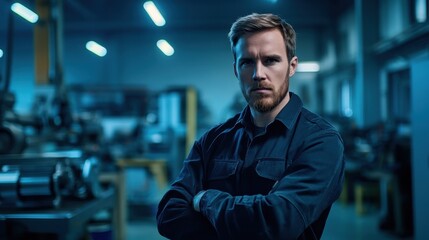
(260, 86)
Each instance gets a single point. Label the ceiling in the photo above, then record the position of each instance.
(129, 15)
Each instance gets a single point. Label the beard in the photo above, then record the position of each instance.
(264, 103)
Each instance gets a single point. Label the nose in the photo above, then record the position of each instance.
(258, 72)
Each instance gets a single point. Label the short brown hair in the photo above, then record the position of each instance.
(258, 22)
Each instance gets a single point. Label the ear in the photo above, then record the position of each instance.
(293, 65)
(235, 70)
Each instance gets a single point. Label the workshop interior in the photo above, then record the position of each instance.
(101, 101)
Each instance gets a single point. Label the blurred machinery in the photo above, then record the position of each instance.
(42, 180)
(31, 176)
(378, 171)
(12, 139)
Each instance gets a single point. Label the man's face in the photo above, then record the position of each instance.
(262, 67)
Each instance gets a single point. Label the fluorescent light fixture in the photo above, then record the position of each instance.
(154, 13)
(96, 48)
(308, 67)
(24, 12)
(1, 53)
(421, 10)
(165, 47)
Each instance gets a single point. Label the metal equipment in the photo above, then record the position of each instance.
(42, 180)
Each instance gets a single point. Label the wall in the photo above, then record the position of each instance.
(394, 17)
(338, 60)
(420, 153)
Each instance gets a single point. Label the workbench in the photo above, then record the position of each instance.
(69, 221)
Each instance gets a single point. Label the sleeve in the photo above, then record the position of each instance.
(311, 184)
(176, 217)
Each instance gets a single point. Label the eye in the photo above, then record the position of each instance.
(245, 62)
(271, 61)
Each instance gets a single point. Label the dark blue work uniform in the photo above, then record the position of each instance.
(279, 183)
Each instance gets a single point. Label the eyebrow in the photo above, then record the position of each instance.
(245, 59)
(276, 56)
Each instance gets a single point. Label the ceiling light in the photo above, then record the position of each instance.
(154, 13)
(308, 67)
(24, 12)
(165, 47)
(1, 53)
(96, 48)
(421, 10)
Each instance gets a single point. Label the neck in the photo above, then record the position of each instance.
(262, 119)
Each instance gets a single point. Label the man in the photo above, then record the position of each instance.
(272, 171)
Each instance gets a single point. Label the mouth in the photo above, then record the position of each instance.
(261, 90)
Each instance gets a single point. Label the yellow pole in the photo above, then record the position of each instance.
(191, 118)
(41, 42)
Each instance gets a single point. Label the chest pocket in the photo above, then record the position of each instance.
(221, 174)
(271, 168)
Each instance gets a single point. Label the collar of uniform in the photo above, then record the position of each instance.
(245, 119)
(289, 114)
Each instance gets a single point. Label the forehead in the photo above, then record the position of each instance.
(264, 42)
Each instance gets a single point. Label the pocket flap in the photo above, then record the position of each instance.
(271, 168)
(223, 169)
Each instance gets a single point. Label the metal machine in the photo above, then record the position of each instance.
(43, 180)
(38, 178)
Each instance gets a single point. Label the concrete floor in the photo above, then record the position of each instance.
(343, 223)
